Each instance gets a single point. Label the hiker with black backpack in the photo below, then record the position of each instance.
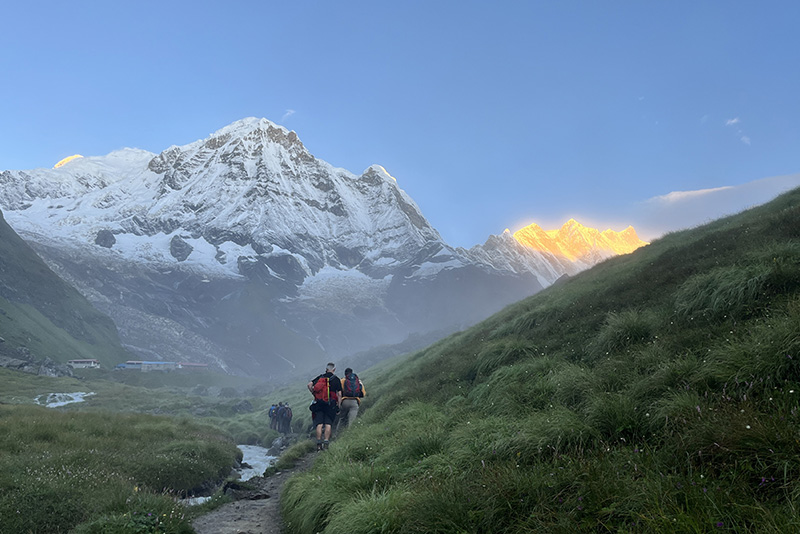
(326, 389)
(352, 392)
(286, 420)
(280, 416)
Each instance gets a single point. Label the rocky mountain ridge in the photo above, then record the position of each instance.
(257, 256)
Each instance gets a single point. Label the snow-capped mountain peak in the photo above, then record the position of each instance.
(249, 184)
(248, 218)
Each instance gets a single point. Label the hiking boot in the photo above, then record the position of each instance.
(319, 446)
(325, 445)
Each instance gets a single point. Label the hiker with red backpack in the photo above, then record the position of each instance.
(352, 392)
(326, 389)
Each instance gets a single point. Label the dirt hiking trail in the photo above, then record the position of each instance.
(255, 511)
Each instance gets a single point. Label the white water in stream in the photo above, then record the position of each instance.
(53, 400)
(258, 458)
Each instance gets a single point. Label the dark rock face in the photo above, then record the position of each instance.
(179, 248)
(50, 368)
(27, 364)
(105, 239)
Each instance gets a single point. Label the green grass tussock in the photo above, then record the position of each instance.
(62, 469)
(656, 392)
(622, 330)
(726, 291)
(500, 353)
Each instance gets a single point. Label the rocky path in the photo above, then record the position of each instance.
(255, 511)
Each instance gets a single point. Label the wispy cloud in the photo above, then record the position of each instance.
(742, 137)
(683, 209)
(679, 196)
(288, 113)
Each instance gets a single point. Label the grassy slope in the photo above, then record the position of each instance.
(44, 314)
(169, 394)
(108, 462)
(657, 392)
(60, 469)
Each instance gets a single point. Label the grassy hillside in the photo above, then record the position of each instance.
(120, 474)
(657, 392)
(117, 461)
(43, 315)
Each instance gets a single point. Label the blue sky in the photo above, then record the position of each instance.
(491, 115)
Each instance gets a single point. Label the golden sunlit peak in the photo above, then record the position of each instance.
(574, 241)
(66, 160)
(386, 172)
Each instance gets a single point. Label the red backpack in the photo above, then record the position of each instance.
(322, 390)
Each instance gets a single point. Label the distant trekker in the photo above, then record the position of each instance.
(273, 416)
(280, 417)
(352, 392)
(285, 421)
(326, 389)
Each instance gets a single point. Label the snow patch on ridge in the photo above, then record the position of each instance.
(430, 268)
(343, 289)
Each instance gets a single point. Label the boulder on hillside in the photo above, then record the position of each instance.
(48, 367)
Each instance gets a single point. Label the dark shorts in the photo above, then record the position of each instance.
(323, 413)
